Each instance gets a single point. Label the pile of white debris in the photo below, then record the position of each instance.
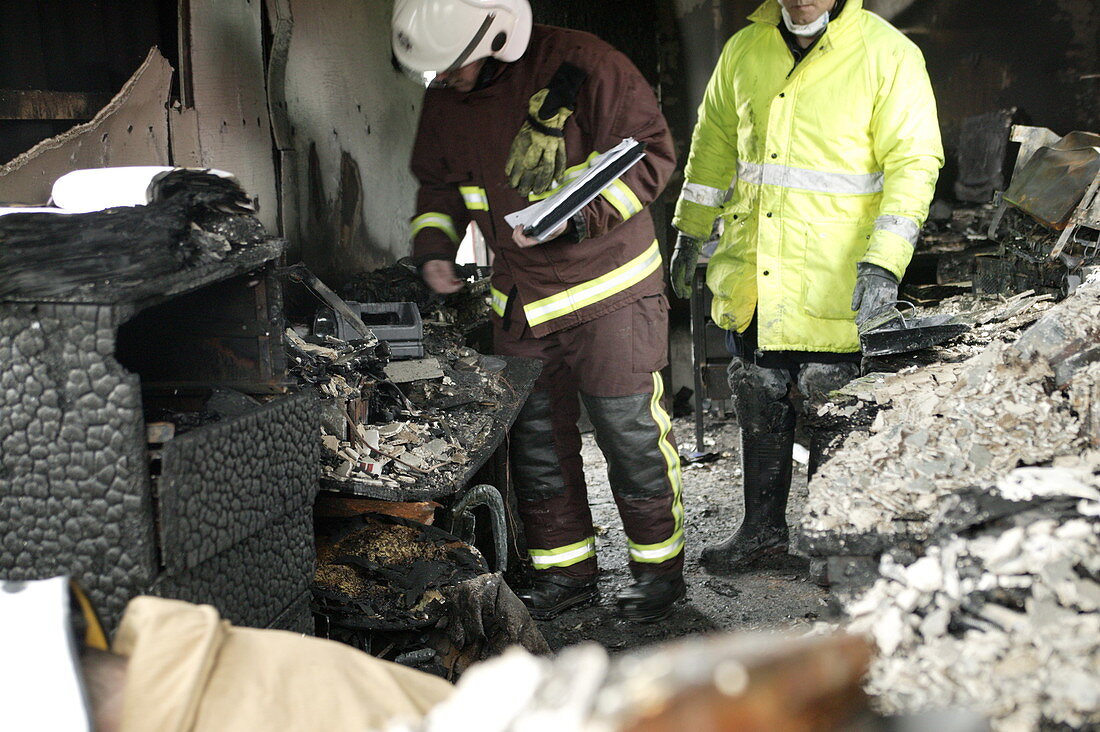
(1002, 617)
(983, 478)
(950, 426)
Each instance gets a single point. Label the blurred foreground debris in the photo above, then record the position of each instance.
(747, 682)
(1002, 614)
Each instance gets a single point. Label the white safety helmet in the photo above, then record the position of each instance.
(434, 36)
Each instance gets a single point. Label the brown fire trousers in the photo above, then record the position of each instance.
(612, 363)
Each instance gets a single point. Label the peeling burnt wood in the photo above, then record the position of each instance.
(131, 130)
(19, 104)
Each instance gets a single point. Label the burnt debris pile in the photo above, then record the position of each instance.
(957, 502)
(382, 572)
(193, 217)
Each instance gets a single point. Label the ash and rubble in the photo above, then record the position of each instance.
(409, 424)
(378, 572)
(410, 430)
(1002, 615)
(968, 477)
(956, 423)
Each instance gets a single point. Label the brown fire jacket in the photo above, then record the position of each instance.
(459, 159)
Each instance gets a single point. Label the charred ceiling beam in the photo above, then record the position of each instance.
(47, 105)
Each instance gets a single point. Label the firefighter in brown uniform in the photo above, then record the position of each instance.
(513, 111)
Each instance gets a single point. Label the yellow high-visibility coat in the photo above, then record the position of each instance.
(836, 161)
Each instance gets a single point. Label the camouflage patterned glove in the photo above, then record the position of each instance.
(537, 156)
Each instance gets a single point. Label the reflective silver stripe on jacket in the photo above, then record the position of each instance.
(624, 200)
(703, 195)
(475, 197)
(809, 180)
(582, 295)
(903, 226)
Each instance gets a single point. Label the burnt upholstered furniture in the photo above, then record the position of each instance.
(223, 515)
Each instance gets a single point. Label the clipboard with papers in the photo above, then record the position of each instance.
(542, 218)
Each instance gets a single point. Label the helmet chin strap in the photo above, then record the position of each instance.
(805, 31)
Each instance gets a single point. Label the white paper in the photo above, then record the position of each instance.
(537, 212)
(39, 684)
(94, 189)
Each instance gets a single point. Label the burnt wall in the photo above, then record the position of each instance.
(632, 26)
(1038, 56)
(75, 46)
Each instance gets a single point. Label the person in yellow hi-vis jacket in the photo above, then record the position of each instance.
(821, 116)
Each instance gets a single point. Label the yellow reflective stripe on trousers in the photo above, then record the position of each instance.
(619, 195)
(564, 556)
(804, 179)
(587, 293)
(665, 550)
(497, 301)
(475, 197)
(436, 220)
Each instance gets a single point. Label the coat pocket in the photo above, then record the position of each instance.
(649, 329)
(832, 249)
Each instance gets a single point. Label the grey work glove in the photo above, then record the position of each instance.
(876, 290)
(682, 269)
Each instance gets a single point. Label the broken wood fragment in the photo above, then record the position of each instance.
(338, 506)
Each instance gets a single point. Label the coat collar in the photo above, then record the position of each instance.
(769, 13)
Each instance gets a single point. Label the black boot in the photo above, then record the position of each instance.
(551, 595)
(766, 473)
(651, 597)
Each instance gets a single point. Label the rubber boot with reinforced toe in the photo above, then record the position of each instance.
(550, 596)
(651, 597)
(766, 472)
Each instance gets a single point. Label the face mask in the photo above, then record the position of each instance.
(806, 31)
